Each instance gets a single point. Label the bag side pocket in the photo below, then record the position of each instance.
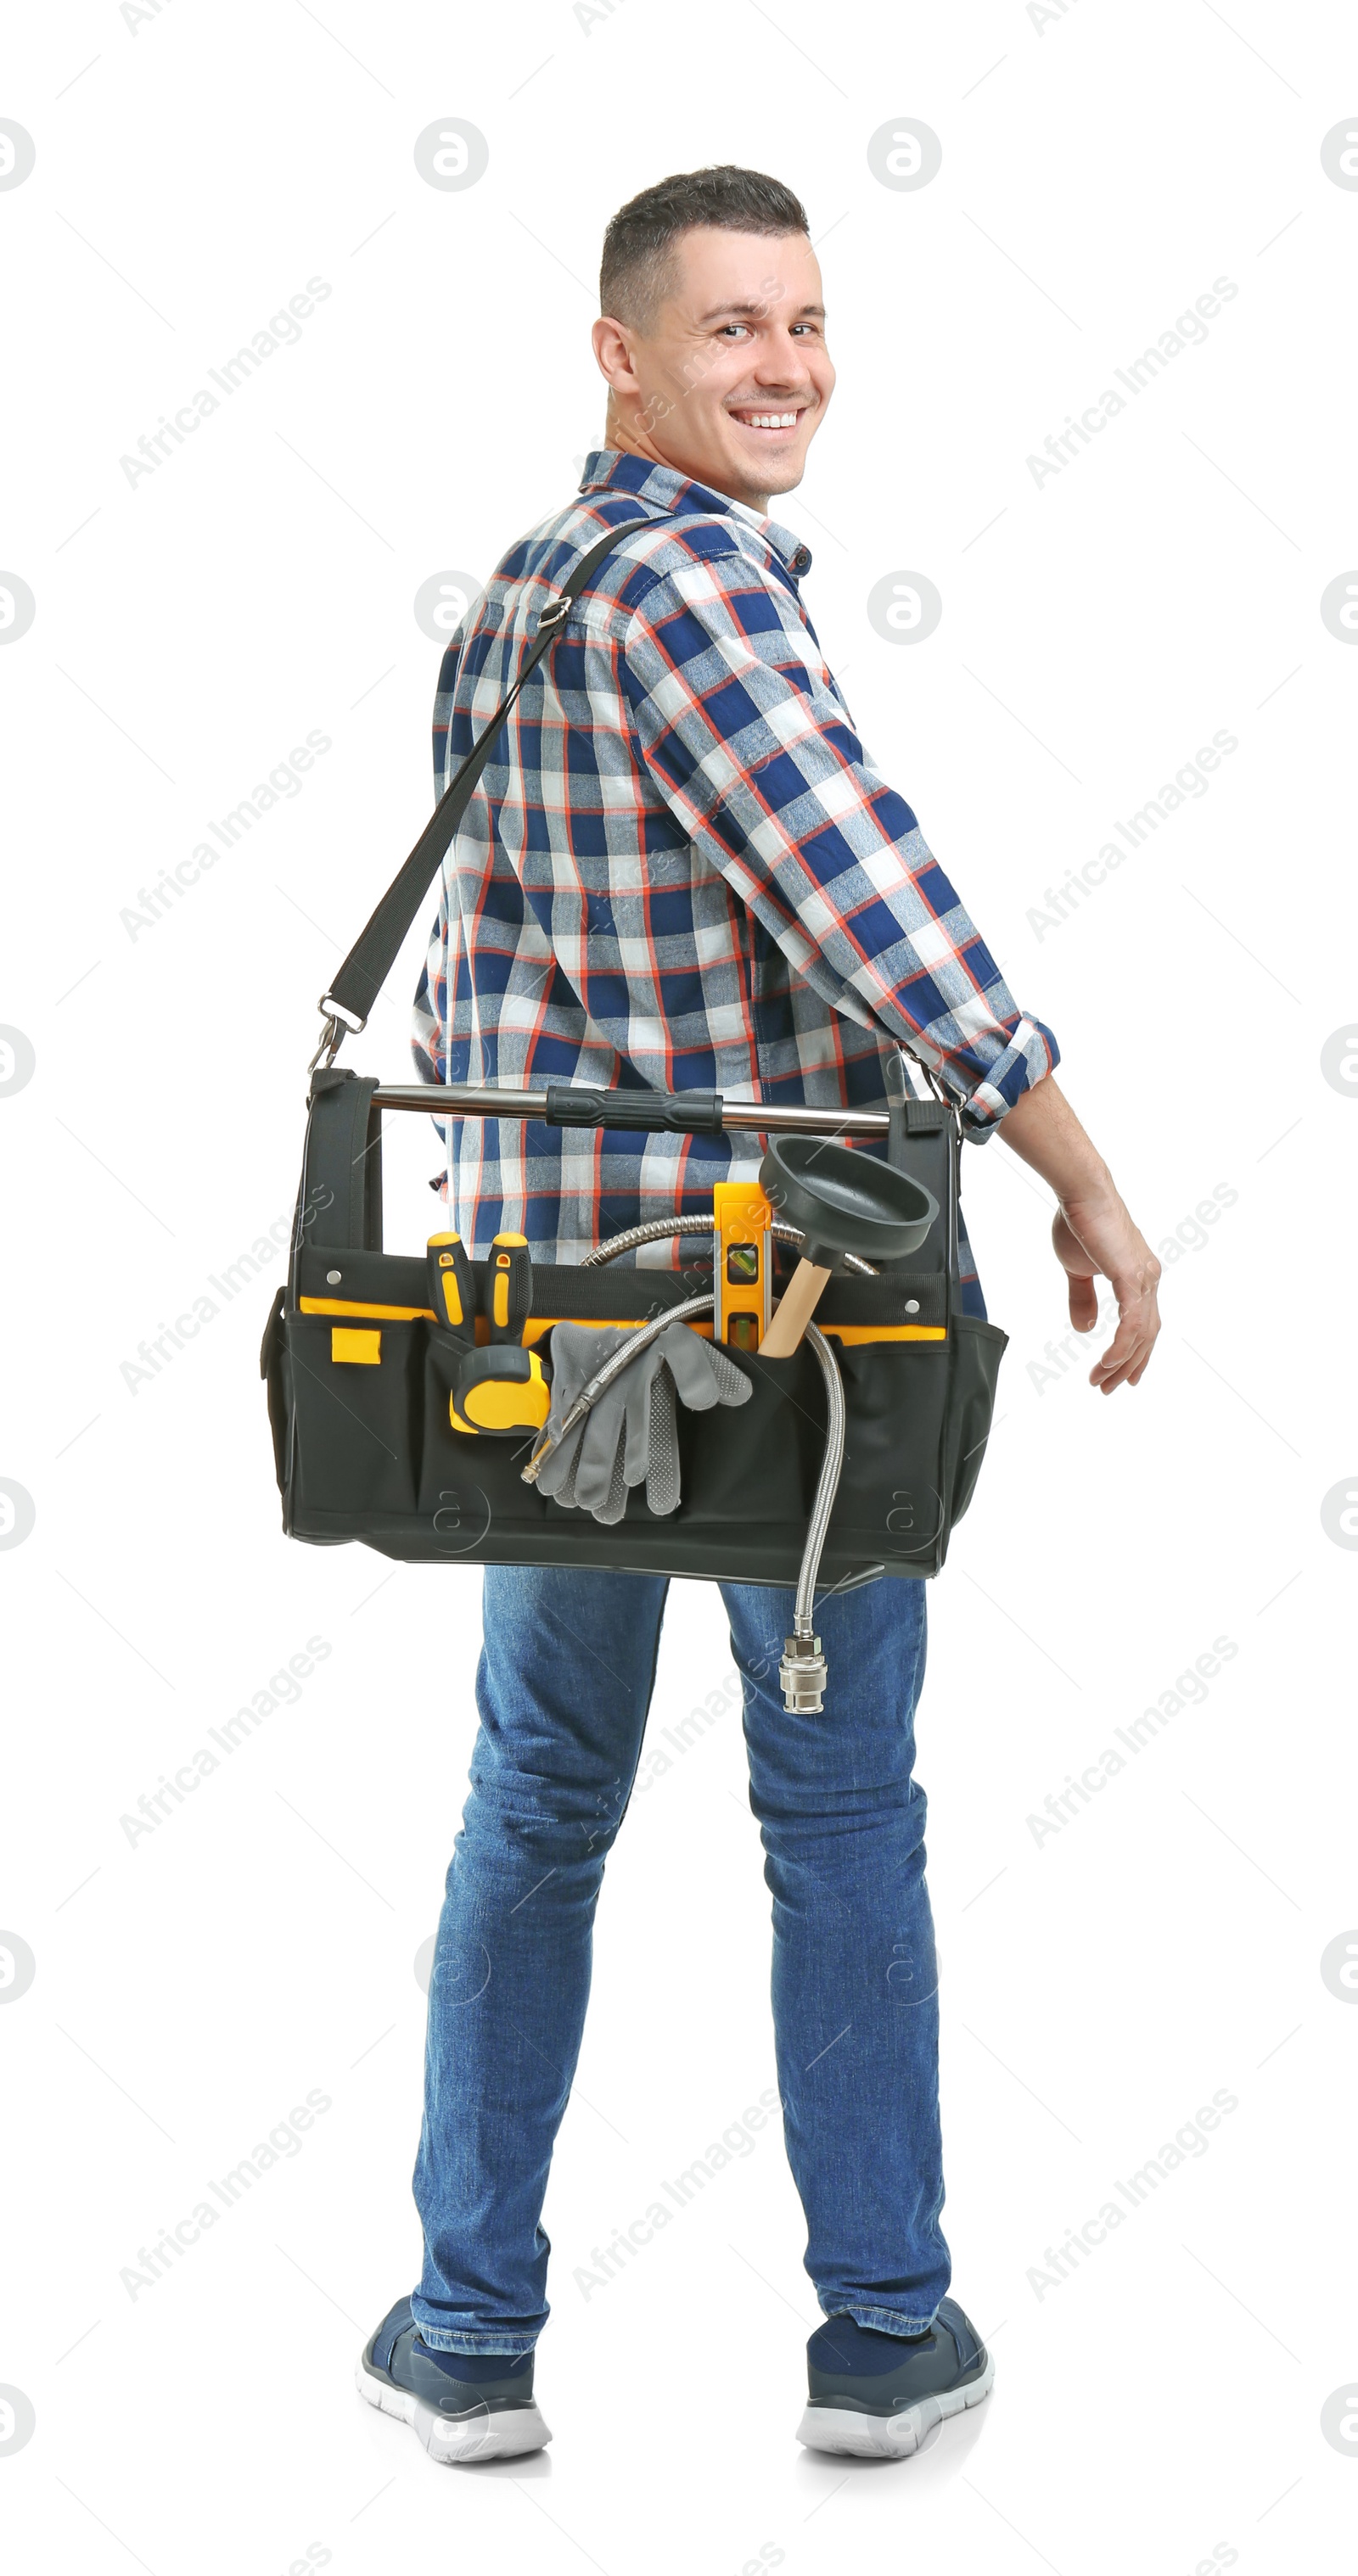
(273, 1368)
(978, 1349)
(356, 1415)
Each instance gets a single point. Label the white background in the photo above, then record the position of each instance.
(1099, 171)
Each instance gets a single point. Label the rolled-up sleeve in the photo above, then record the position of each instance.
(755, 756)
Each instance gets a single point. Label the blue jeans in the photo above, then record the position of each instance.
(563, 1688)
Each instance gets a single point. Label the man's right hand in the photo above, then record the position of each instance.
(1093, 1236)
(1097, 1239)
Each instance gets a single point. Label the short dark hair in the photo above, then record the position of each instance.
(637, 271)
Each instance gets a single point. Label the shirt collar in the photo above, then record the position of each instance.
(608, 469)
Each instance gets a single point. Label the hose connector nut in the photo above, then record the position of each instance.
(802, 1674)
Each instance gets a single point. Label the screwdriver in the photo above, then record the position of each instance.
(509, 1287)
(452, 1289)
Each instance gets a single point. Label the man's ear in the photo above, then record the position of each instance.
(613, 355)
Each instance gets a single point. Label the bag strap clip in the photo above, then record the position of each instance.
(339, 1025)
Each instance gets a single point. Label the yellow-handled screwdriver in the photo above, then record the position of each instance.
(504, 1389)
(452, 1289)
(509, 1287)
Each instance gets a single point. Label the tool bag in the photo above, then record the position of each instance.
(361, 1372)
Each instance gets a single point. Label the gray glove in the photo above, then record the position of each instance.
(631, 1433)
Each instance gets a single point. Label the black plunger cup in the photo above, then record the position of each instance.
(842, 1202)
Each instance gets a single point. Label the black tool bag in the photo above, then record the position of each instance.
(360, 1371)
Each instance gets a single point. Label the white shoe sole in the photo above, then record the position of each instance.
(482, 2435)
(888, 2437)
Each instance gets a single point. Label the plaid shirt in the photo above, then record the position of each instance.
(680, 870)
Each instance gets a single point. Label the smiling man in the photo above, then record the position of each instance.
(681, 869)
(729, 366)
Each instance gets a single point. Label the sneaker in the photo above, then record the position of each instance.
(491, 2415)
(877, 2395)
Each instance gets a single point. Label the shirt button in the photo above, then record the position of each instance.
(801, 560)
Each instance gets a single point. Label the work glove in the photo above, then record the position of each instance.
(631, 1434)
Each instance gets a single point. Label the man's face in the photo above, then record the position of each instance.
(731, 381)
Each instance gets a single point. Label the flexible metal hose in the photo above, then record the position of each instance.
(802, 1672)
(650, 1233)
(653, 1232)
(803, 1616)
(603, 1377)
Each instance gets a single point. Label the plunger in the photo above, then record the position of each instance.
(842, 1202)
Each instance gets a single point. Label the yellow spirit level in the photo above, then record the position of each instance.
(742, 1263)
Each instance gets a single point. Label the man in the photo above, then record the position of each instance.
(680, 867)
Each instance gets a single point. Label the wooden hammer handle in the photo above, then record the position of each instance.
(793, 1312)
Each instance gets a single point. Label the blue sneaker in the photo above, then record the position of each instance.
(488, 2415)
(876, 2396)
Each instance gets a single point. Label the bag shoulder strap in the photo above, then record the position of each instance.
(352, 992)
(341, 1194)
